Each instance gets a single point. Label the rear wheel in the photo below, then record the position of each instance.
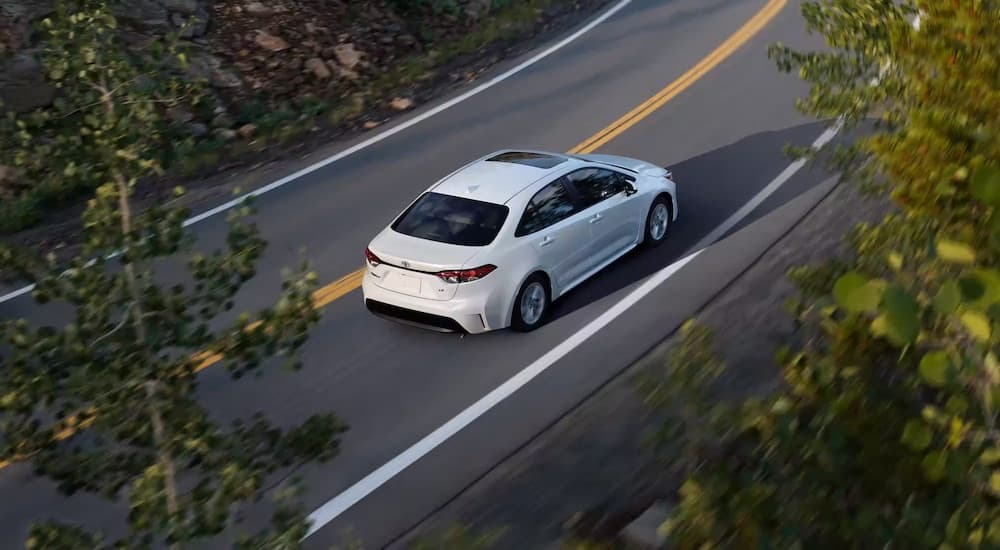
(531, 306)
(658, 221)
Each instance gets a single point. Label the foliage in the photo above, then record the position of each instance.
(681, 389)
(107, 402)
(56, 149)
(886, 432)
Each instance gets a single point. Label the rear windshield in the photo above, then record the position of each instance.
(452, 220)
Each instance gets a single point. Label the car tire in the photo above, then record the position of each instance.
(534, 293)
(658, 222)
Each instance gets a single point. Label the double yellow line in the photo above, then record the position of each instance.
(348, 283)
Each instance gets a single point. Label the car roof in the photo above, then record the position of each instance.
(501, 175)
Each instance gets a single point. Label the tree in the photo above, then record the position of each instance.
(886, 434)
(107, 402)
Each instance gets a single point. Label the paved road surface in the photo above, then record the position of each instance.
(722, 137)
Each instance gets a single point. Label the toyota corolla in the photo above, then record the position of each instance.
(493, 244)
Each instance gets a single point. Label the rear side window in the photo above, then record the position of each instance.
(549, 206)
(452, 220)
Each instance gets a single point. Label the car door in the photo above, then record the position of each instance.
(612, 215)
(558, 235)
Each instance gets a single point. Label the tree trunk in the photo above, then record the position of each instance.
(152, 387)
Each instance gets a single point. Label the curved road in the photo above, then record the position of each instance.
(722, 135)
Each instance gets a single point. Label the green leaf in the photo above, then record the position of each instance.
(934, 368)
(957, 405)
(980, 288)
(990, 456)
(977, 324)
(955, 252)
(994, 532)
(985, 185)
(900, 309)
(947, 298)
(995, 483)
(854, 292)
(934, 465)
(895, 260)
(972, 288)
(916, 435)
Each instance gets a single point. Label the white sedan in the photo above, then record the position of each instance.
(492, 245)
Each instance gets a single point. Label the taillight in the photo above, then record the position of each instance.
(466, 275)
(373, 260)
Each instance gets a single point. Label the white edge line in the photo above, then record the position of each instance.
(340, 503)
(355, 493)
(384, 134)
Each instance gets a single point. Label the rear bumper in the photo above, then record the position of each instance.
(456, 315)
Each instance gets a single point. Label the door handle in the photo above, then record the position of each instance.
(596, 218)
(547, 241)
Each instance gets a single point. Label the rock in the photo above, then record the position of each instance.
(347, 56)
(369, 124)
(247, 131)
(258, 9)
(222, 120)
(225, 79)
(22, 85)
(318, 68)
(198, 129)
(187, 7)
(270, 42)
(10, 185)
(386, 39)
(199, 23)
(347, 73)
(179, 115)
(313, 28)
(401, 103)
(475, 9)
(225, 134)
(144, 14)
(28, 10)
(7, 173)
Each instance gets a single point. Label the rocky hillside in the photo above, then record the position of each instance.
(276, 49)
(282, 71)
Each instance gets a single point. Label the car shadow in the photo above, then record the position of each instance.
(710, 187)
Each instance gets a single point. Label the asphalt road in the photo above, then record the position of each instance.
(723, 138)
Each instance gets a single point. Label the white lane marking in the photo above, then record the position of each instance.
(386, 133)
(355, 493)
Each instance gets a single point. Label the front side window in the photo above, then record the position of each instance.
(550, 205)
(593, 185)
(452, 220)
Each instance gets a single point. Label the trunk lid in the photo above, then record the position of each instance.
(410, 264)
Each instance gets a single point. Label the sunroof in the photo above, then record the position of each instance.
(538, 160)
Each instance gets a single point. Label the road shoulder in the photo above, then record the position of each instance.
(591, 471)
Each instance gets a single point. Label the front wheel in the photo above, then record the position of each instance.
(531, 306)
(658, 221)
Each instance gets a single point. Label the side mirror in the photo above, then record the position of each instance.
(630, 189)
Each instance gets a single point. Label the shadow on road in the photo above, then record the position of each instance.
(710, 187)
